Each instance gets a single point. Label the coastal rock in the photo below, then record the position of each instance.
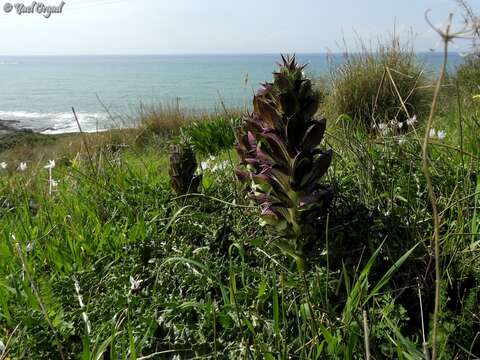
(9, 127)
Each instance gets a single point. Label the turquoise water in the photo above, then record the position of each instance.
(38, 92)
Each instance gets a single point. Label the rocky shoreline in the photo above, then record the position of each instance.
(10, 127)
(12, 135)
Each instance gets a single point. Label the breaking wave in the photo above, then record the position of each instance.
(56, 123)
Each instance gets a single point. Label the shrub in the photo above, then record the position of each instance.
(160, 120)
(368, 85)
(212, 136)
(167, 120)
(468, 74)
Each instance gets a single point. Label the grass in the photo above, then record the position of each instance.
(212, 137)
(114, 265)
(377, 85)
(168, 120)
(468, 74)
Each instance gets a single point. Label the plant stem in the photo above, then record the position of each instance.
(365, 335)
(431, 194)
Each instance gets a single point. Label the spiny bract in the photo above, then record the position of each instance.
(281, 159)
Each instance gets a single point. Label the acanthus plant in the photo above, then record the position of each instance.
(183, 166)
(282, 163)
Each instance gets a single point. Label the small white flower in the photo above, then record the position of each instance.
(79, 296)
(54, 183)
(50, 165)
(135, 284)
(82, 306)
(441, 134)
(382, 128)
(23, 166)
(222, 166)
(3, 165)
(30, 247)
(400, 124)
(412, 121)
(204, 164)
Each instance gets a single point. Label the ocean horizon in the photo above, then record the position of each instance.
(38, 91)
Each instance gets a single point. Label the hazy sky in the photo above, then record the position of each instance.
(216, 26)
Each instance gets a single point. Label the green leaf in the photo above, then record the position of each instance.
(386, 278)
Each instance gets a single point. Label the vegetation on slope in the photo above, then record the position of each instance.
(113, 264)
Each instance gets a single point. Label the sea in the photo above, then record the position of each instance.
(39, 92)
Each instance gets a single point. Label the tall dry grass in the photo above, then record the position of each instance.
(386, 82)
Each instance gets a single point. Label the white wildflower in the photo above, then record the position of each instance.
(50, 165)
(82, 306)
(412, 121)
(441, 134)
(135, 284)
(79, 296)
(384, 130)
(417, 182)
(30, 247)
(400, 124)
(3, 165)
(221, 166)
(54, 183)
(23, 166)
(382, 127)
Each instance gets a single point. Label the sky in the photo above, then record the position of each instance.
(94, 27)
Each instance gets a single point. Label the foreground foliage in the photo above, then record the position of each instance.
(196, 277)
(99, 258)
